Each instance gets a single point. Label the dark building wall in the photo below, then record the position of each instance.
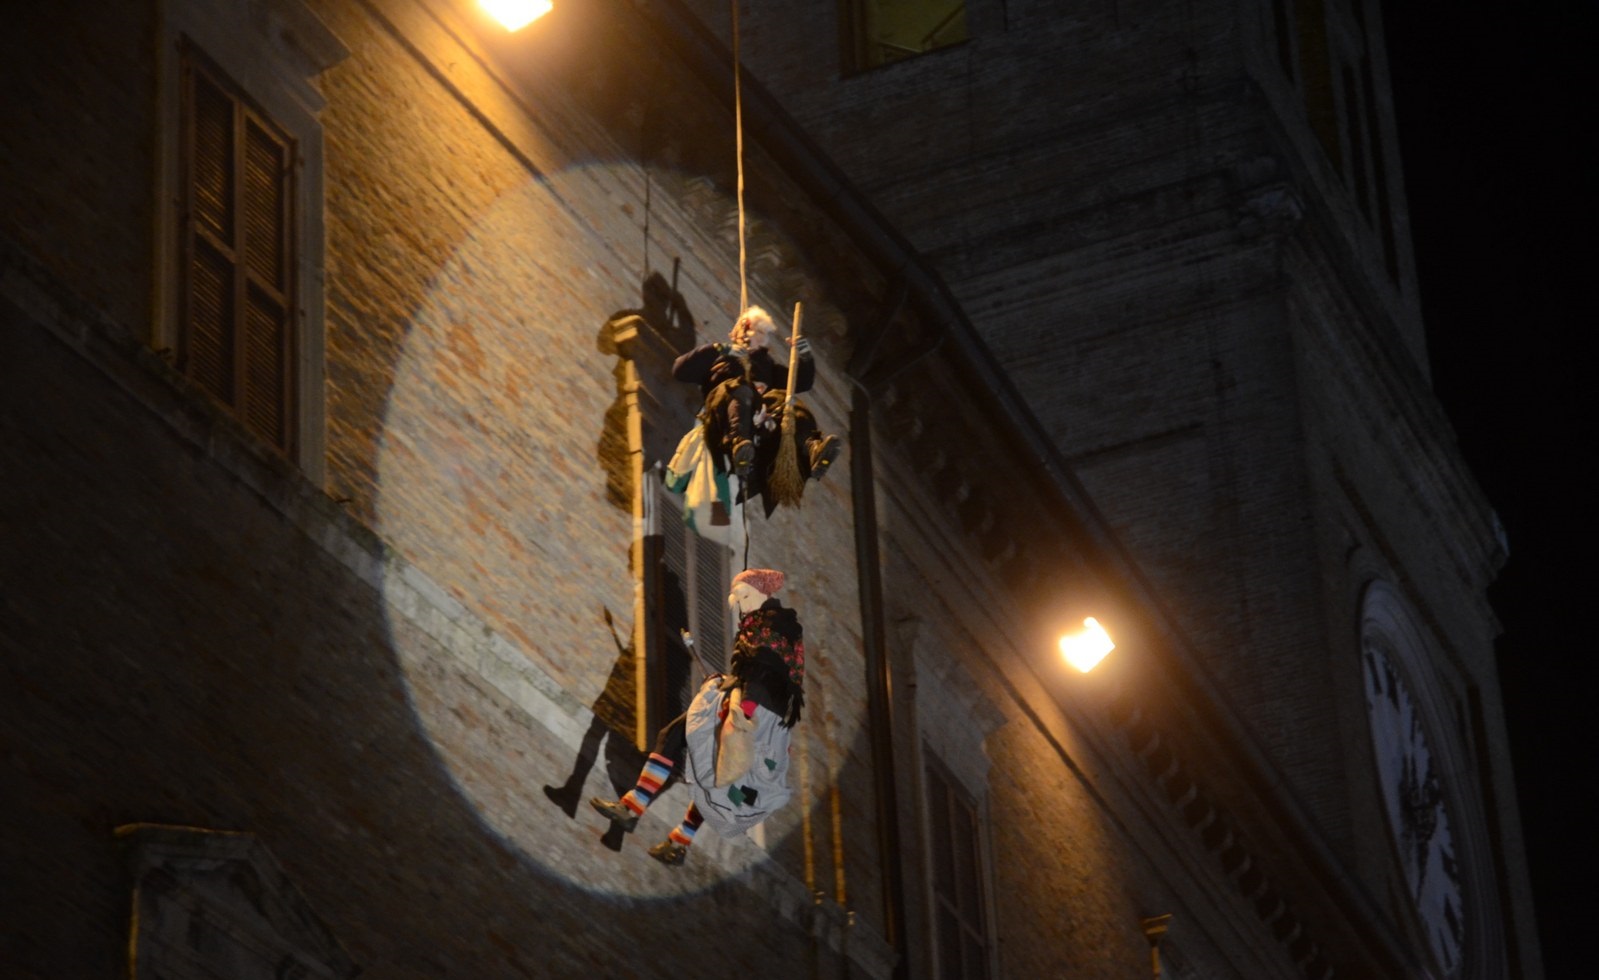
(1082, 844)
(85, 208)
(1181, 231)
(1102, 192)
(1393, 501)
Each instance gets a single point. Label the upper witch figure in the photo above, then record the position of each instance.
(745, 390)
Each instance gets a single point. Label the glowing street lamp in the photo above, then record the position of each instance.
(1085, 649)
(514, 15)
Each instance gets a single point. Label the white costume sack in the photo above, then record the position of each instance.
(692, 472)
(760, 791)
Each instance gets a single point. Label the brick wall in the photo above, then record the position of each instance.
(380, 676)
(84, 208)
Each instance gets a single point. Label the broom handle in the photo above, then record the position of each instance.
(793, 366)
(785, 482)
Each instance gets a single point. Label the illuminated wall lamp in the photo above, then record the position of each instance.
(1086, 648)
(514, 15)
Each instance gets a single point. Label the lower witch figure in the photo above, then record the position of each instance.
(732, 743)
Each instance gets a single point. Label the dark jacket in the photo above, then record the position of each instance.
(710, 365)
(769, 660)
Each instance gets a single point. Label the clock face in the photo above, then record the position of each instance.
(1413, 798)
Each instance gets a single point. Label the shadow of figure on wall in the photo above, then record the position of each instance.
(644, 342)
(667, 313)
(614, 711)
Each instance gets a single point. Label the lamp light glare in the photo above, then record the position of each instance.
(514, 15)
(1084, 650)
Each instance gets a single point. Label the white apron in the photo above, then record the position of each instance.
(752, 797)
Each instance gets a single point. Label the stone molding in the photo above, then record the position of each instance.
(212, 903)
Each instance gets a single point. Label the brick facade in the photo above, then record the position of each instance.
(384, 664)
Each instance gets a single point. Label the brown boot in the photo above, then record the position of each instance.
(617, 812)
(743, 453)
(823, 452)
(669, 853)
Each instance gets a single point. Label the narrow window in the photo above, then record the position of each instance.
(683, 575)
(1379, 170)
(1282, 20)
(1357, 142)
(1315, 63)
(879, 32)
(689, 582)
(238, 247)
(960, 916)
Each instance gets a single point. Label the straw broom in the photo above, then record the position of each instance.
(785, 483)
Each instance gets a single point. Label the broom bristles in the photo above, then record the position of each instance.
(785, 483)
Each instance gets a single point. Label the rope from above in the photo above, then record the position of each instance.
(738, 137)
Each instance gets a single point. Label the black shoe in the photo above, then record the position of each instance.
(669, 853)
(564, 798)
(617, 812)
(823, 452)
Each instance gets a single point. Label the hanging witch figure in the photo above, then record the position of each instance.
(746, 398)
(731, 746)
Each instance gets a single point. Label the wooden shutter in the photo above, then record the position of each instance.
(673, 604)
(268, 343)
(710, 599)
(208, 338)
(237, 331)
(690, 593)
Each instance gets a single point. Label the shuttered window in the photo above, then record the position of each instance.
(238, 237)
(959, 910)
(691, 593)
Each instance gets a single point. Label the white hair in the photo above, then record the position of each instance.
(752, 323)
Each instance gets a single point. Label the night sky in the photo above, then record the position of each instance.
(1496, 119)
